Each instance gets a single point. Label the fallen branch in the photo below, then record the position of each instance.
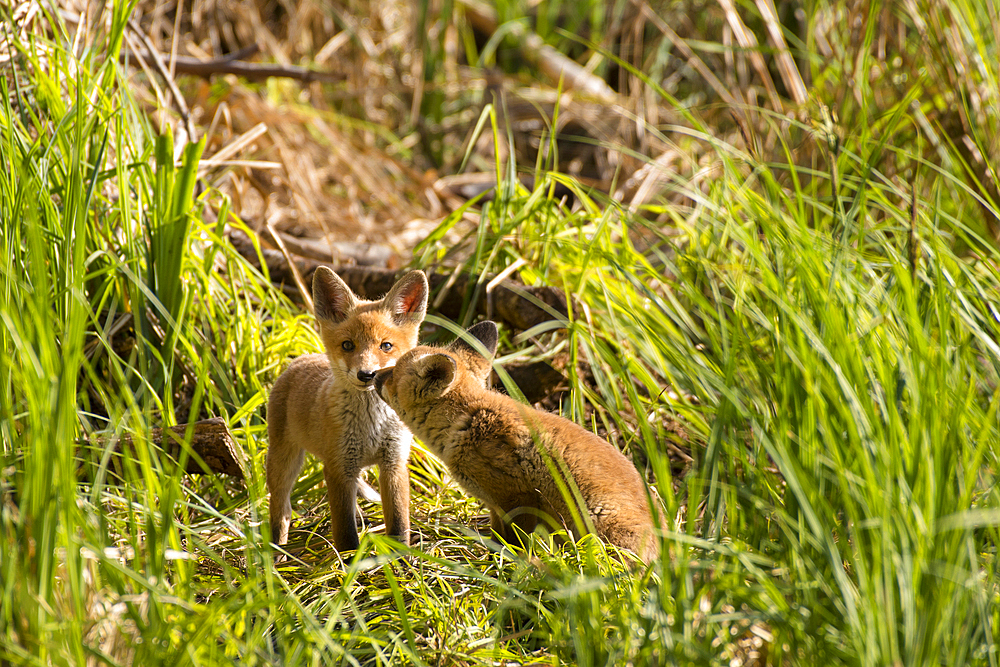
(560, 69)
(518, 306)
(537, 380)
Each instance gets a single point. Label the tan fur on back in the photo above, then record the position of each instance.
(493, 446)
(325, 404)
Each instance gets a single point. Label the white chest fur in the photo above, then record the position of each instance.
(370, 431)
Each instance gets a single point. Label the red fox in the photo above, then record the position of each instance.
(325, 404)
(503, 452)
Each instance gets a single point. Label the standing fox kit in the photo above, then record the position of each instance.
(324, 404)
(503, 452)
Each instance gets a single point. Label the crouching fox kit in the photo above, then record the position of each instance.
(324, 404)
(504, 452)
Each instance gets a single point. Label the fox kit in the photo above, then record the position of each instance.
(325, 404)
(500, 450)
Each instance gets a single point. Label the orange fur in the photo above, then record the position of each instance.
(324, 404)
(503, 452)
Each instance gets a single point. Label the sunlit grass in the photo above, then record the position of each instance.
(830, 352)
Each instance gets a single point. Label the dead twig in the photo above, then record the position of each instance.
(249, 71)
(786, 63)
(748, 42)
(296, 274)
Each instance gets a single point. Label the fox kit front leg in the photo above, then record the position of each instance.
(343, 485)
(342, 495)
(325, 404)
(394, 485)
(525, 518)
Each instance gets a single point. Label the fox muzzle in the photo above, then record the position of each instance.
(380, 379)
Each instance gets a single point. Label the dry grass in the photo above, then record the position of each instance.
(372, 157)
(356, 160)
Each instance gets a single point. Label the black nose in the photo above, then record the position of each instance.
(366, 376)
(380, 380)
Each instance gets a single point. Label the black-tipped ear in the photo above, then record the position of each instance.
(332, 298)
(485, 332)
(407, 300)
(438, 371)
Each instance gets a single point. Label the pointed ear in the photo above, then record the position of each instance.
(332, 298)
(438, 371)
(407, 300)
(484, 332)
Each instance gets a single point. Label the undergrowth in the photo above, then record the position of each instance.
(824, 330)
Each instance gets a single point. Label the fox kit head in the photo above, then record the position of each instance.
(362, 337)
(425, 374)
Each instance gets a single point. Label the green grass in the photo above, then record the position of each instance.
(831, 352)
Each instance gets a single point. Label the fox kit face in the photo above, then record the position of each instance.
(363, 337)
(425, 374)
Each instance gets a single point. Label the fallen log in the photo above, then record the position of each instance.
(362, 254)
(518, 306)
(211, 442)
(537, 380)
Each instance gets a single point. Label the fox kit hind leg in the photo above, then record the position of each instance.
(283, 465)
(324, 404)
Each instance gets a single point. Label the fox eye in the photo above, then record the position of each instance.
(347, 346)
(386, 346)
